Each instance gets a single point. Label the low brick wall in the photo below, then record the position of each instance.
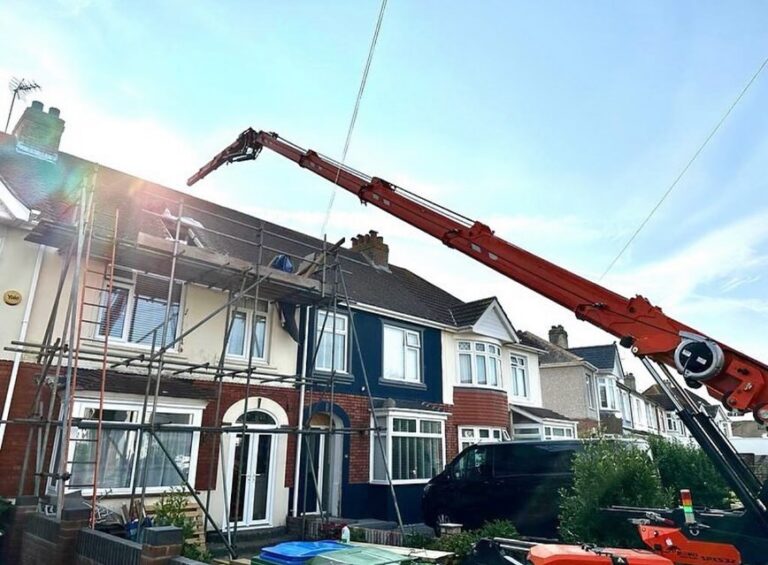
(48, 541)
(98, 548)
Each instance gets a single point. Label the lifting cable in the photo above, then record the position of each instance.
(352, 121)
(685, 169)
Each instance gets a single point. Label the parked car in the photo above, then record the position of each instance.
(518, 481)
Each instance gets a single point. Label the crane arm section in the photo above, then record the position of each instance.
(735, 378)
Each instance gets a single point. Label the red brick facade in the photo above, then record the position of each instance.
(15, 442)
(480, 407)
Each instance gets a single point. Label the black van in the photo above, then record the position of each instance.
(517, 481)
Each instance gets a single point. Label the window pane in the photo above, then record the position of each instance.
(236, 345)
(479, 347)
(412, 369)
(464, 346)
(430, 427)
(394, 354)
(465, 368)
(492, 369)
(484, 433)
(258, 336)
(149, 311)
(118, 308)
(160, 471)
(116, 452)
(482, 378)
(412, 339)
(404, 425)
(339, 360)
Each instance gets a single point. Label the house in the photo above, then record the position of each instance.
(675, 428)
(568, 382)
(330, 372)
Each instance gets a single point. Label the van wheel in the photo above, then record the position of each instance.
(441, 518)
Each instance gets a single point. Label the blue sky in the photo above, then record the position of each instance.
(558, 123)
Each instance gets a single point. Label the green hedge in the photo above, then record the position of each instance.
(609, 473)
(688, 467)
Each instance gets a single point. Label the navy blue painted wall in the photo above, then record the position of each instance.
(370, 333)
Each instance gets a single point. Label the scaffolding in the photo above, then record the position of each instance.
(97, 235)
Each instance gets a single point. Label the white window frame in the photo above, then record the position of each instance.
(130, 286)
(549, 432)
(514, 368)
(407, 332)
(521, 432)
(626, 408)
(250, 314)
(343, 363)
(609, 384)
(473, 354)
(389, 416)
(589, 381)
(494, 435)
(79, 407)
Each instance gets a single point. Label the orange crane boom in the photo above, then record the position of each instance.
(738, 380)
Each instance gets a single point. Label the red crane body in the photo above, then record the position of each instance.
(735, 378)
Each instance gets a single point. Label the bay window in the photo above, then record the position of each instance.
(414, 444)
(472, 435)
(402, 354)
(248, 337)
(120, 464)
(331, 332)
(479, 363)
(137, 309)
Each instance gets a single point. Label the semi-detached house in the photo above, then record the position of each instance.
(442, 373)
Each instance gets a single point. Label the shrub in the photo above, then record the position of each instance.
(461, 544)
(688, 467)
(608, 473)
(170, 511)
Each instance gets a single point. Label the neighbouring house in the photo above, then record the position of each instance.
(675, 428)
(568, 382)
(430, 371)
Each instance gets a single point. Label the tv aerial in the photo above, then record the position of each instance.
(20, 88)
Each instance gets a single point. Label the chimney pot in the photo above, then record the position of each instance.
(38, 133)
(373, 247)
(558, 336)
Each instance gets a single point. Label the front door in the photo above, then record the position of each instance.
(251, 478)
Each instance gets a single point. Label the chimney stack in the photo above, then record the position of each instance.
(629, 381)
(373, 247)
(558, 336)
(39, 133)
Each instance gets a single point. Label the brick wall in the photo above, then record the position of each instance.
(480, 407)
(231, 393)
(15, 442)
(48, 541)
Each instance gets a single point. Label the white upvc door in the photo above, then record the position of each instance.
(254, 479)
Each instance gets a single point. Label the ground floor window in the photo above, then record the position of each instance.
(414, 444)
(546, 431)
(122, 461)
(470, 435)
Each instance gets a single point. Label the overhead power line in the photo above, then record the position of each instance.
(685, 169)
(352, 121)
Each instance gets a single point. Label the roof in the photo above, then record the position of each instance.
(52, 188)
(543, 413)
(469, 313)
(553, 353)
(601, 356)
(657, 395)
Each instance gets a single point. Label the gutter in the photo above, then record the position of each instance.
(22, 336)
(302, 390)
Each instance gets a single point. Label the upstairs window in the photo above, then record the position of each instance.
(331, 339)
(608, 393)
(479, 363)
(520, 385)
(137, 310)
(590, 391)
(248, 337)
(402, 354)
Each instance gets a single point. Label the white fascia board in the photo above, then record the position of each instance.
(406, 412)
(584, 364)
(17, 210)
(495, 307)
